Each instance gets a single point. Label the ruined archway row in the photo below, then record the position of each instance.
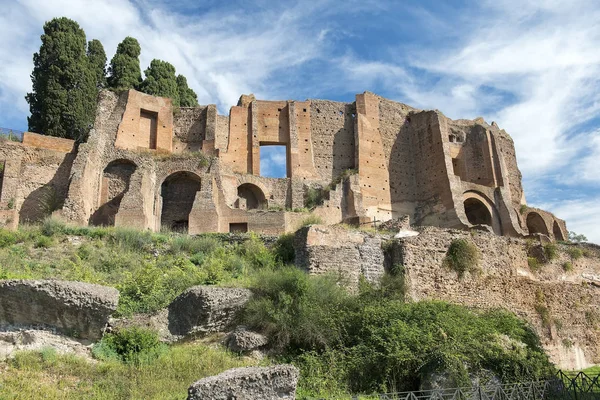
(541, 222)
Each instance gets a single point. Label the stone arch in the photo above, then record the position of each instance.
(558, 233)
(536, 224)
(250, 197)
(178, 192)
(480, 210)
(114, 183)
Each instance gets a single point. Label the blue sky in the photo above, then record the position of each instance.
(533, 67)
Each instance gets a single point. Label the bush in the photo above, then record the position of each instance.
(194, 244)
(7, 238)
(284, 249)
(52, 226)
(567, 266)
(43, 242)
(551, 251)
(462, 256)
(295, 310)
(311, 220)
(256, 254)
(575, 253)
(130, 345)
(533, 263)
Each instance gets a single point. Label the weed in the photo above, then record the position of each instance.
(284, 249)
(551, 251)
(11, 204)
(7, 238)
(575, 253)
(523, 209)
(534, 264)
(311, 220)
(43, 242)
(462, 256)
(130, 345)
(567, 266)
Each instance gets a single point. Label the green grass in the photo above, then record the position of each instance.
(149, 269)
(67, 377)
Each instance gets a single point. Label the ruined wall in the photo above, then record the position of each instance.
(569, 326)
(332, 135)
(189, 129)
(506, 149)
(34, 180)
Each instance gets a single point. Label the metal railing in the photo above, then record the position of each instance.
(563, 386)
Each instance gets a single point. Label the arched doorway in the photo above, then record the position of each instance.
(115, 183)
(178, 192)
(558, 235)
(536, 224)
(477, 212)
(250, 197)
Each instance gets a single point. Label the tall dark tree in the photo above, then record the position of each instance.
(161, 81)
(97, 59)
(187, 97)
(63, 100)
(124, 69)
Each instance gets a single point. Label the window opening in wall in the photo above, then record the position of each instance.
(477, 213)
(273, 160)
(238, 227)
(148, 125)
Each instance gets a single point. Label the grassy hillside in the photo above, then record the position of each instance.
(364, 343)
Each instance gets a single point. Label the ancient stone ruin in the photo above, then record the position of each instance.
(147, 165)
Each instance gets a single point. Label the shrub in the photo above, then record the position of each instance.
(7, 238)
(130, 345)
(194, 244)
(533, 263)
(551, 251)
(462, 256)
(575, 253)
(284, 249)
(523, 208)
(311, 220)
(52, 226)
(567, 266)
(132, 239)
(313, 197)
(295, 310)
(43, 242)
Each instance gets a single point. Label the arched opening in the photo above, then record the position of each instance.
(178, 193)
(536, 224)
(558, 235)
(250, 197)
(115, 183)
(477, 212)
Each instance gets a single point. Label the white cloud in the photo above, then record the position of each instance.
(580, 215)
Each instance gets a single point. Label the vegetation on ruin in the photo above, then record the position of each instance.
(315, 196)
(462, 256)
(63, 100)
(370, 341)
(551, 251)
(124, 70)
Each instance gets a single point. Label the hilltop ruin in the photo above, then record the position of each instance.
(147, 165)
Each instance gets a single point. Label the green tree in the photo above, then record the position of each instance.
(124, 69)
(64, 95)
(161, 81)
(577, 238)
(97, 59)
(187, 97)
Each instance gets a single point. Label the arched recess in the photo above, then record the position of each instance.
(536, 224)
(250, 197)
(178, 192)
(558, 234)
(479, 210)
(115, 183)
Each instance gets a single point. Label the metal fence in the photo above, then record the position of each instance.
(11, 134)
(563, 386)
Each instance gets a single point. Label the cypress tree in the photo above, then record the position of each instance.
(124, 69)
(161, 81)
(64, 95)
(187, 97)
(97, 58)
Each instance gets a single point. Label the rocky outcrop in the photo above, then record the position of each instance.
(73, 308)
(12, 341)
(205, 309)
(243, 340)
(265, 383)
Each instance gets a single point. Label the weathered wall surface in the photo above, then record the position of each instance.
(569, 329)
(189, 129)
